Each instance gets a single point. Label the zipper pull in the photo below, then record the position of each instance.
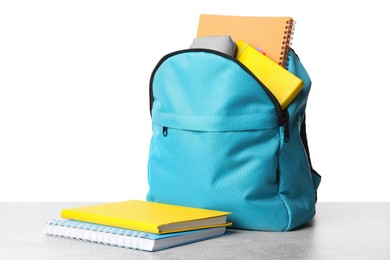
(285, 122)
(165, 131)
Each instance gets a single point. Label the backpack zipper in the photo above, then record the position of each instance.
(283, 116)
(165, 131)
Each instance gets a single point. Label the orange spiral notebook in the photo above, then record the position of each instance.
(270, 34)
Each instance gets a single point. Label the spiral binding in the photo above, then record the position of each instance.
(287, 41)
(94, 233)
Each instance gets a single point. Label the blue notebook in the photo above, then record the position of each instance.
(124, 237)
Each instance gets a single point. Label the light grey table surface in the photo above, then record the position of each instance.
(339, 231)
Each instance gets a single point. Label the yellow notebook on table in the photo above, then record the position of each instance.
(270, 34)
(283, 84)
(148, 216)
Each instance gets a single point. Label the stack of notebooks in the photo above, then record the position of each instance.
(137, 224)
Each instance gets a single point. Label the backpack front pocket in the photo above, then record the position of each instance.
(235, 171)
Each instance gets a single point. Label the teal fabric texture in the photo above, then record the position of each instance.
(221, 141)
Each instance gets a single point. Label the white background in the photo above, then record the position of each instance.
(74, 97)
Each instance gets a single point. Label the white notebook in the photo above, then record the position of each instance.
(126, 238)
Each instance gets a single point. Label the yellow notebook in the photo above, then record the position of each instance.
(271, 34)
(283, 84)
(147, 216)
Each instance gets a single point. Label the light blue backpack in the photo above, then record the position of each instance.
(221, 141)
